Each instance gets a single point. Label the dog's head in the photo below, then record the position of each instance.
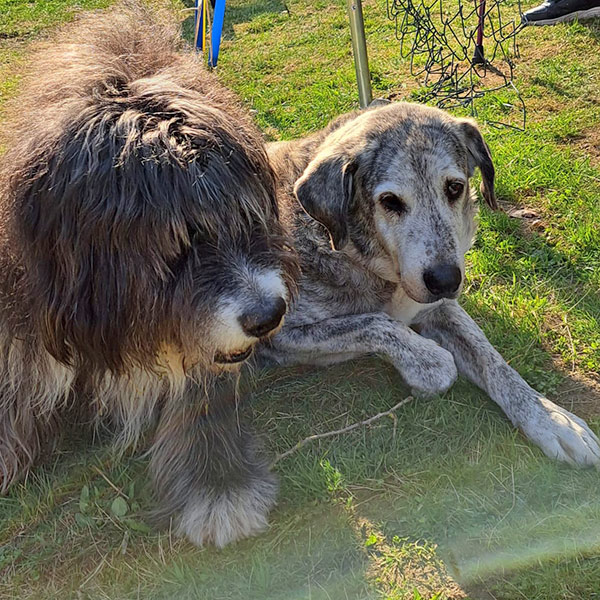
(392, 185)
(148, 225)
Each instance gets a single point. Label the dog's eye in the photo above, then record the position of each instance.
(392, 203)
(454, 190)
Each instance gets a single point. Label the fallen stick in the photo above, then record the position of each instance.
(320, 436)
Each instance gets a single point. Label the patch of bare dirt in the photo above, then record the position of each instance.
(531, 219)
(580, 394)
(403, 93)
(588, 143)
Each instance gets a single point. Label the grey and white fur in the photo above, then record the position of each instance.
(141, 259)
(382, 215)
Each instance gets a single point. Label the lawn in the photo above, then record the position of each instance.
(444, 501)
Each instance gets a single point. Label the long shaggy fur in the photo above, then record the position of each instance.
(136, 201)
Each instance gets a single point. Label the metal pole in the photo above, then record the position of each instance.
(359, 49)
(478, 56)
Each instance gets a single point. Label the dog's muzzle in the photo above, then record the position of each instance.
(257, 322)
(443, 280)
(263, 318)
(233, 358)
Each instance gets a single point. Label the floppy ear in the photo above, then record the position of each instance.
(480, 156)
(325, 191)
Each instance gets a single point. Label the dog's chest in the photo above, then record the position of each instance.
(403, 308)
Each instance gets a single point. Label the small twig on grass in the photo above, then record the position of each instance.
(112, 485)
(320, 436)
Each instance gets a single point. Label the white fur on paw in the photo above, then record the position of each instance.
(224, 517)
(431, 370)
(563, 436)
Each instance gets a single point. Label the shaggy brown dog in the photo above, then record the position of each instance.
(141, 257)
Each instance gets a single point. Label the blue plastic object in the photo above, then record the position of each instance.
(217, 31)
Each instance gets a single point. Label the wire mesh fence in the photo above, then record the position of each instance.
(462, 52)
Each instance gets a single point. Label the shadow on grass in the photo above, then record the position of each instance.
(593, 27)
(511, 253)
(445, 498)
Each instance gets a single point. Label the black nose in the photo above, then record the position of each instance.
(443, 280)
(263, 318)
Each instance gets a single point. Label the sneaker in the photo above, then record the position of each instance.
(560, 11)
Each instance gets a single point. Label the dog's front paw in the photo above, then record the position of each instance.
(562, 435)
(226, 516)
(431, 369)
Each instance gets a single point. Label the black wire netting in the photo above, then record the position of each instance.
(463, 52)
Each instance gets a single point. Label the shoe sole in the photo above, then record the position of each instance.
(580, 15)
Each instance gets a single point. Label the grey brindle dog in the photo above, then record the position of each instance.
(384, 219)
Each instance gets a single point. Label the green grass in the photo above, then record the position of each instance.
(25, 18)
(446, 501)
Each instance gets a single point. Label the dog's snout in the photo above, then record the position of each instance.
(263, 318)
(443, 280)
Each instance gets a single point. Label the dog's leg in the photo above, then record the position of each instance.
(33, 388)
(425, 366)
(208, 471)
(19, 440)
(560, 434)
